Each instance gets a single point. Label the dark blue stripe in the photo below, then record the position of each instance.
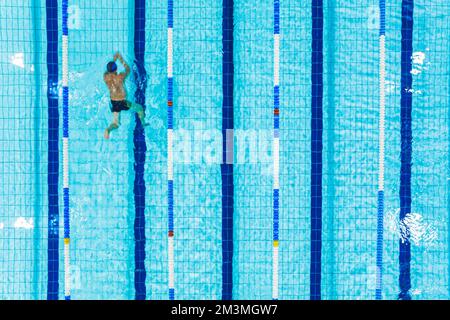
(66, 213)
(170, 98)
(65, 30)
(171, 294)
(406, 144)
(276, 22)
(51, 7)
(170, 118)
(276, 97)
(140, 149)
(65, 112)
(227, 230)
(316, 148)
(382, 6)
(276, 210)
(170, 204)
(379, 258)
(227, 169)
(170, 14)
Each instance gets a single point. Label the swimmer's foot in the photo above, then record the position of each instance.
(112, 126)
(106, 134)
(141, 116)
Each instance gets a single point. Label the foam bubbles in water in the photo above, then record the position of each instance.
(418, 59)
(88, 93)
(22, 223)
(17, 59)
(413, 224)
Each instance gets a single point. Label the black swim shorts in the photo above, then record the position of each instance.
(118, 106)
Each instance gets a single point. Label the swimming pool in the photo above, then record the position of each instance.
(261, 174)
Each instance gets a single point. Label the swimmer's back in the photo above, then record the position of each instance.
(114, 83)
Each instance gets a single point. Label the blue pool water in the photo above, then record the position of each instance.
(102, 171)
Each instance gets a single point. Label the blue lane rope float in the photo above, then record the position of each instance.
(140, 150)
(316, 148)
(65, 87)
(228, 152)
(406, 145)
(276, 146)
(51, 8)
(381, 156)
(170, 148)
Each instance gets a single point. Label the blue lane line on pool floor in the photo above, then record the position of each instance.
(51, 7)
(227, 161)
(406, 144)
(140, 150)
(316, 149)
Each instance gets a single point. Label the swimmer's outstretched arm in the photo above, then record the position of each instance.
(122, 61)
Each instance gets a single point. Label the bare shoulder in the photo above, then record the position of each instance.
(108, 78)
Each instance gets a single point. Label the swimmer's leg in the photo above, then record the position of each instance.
(139, 110)
(114, 125)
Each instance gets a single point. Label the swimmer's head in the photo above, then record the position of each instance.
(111, 66)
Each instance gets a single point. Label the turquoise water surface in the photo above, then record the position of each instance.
(102, 172)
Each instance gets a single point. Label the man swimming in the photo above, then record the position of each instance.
(115, 83)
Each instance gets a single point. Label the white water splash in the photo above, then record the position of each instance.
(412, 225)
(17, 59)
(22, 223)
(390, 86)
(418, 59)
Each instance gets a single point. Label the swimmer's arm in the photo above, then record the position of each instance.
(126, 66)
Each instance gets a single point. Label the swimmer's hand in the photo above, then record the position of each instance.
(118, 56)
